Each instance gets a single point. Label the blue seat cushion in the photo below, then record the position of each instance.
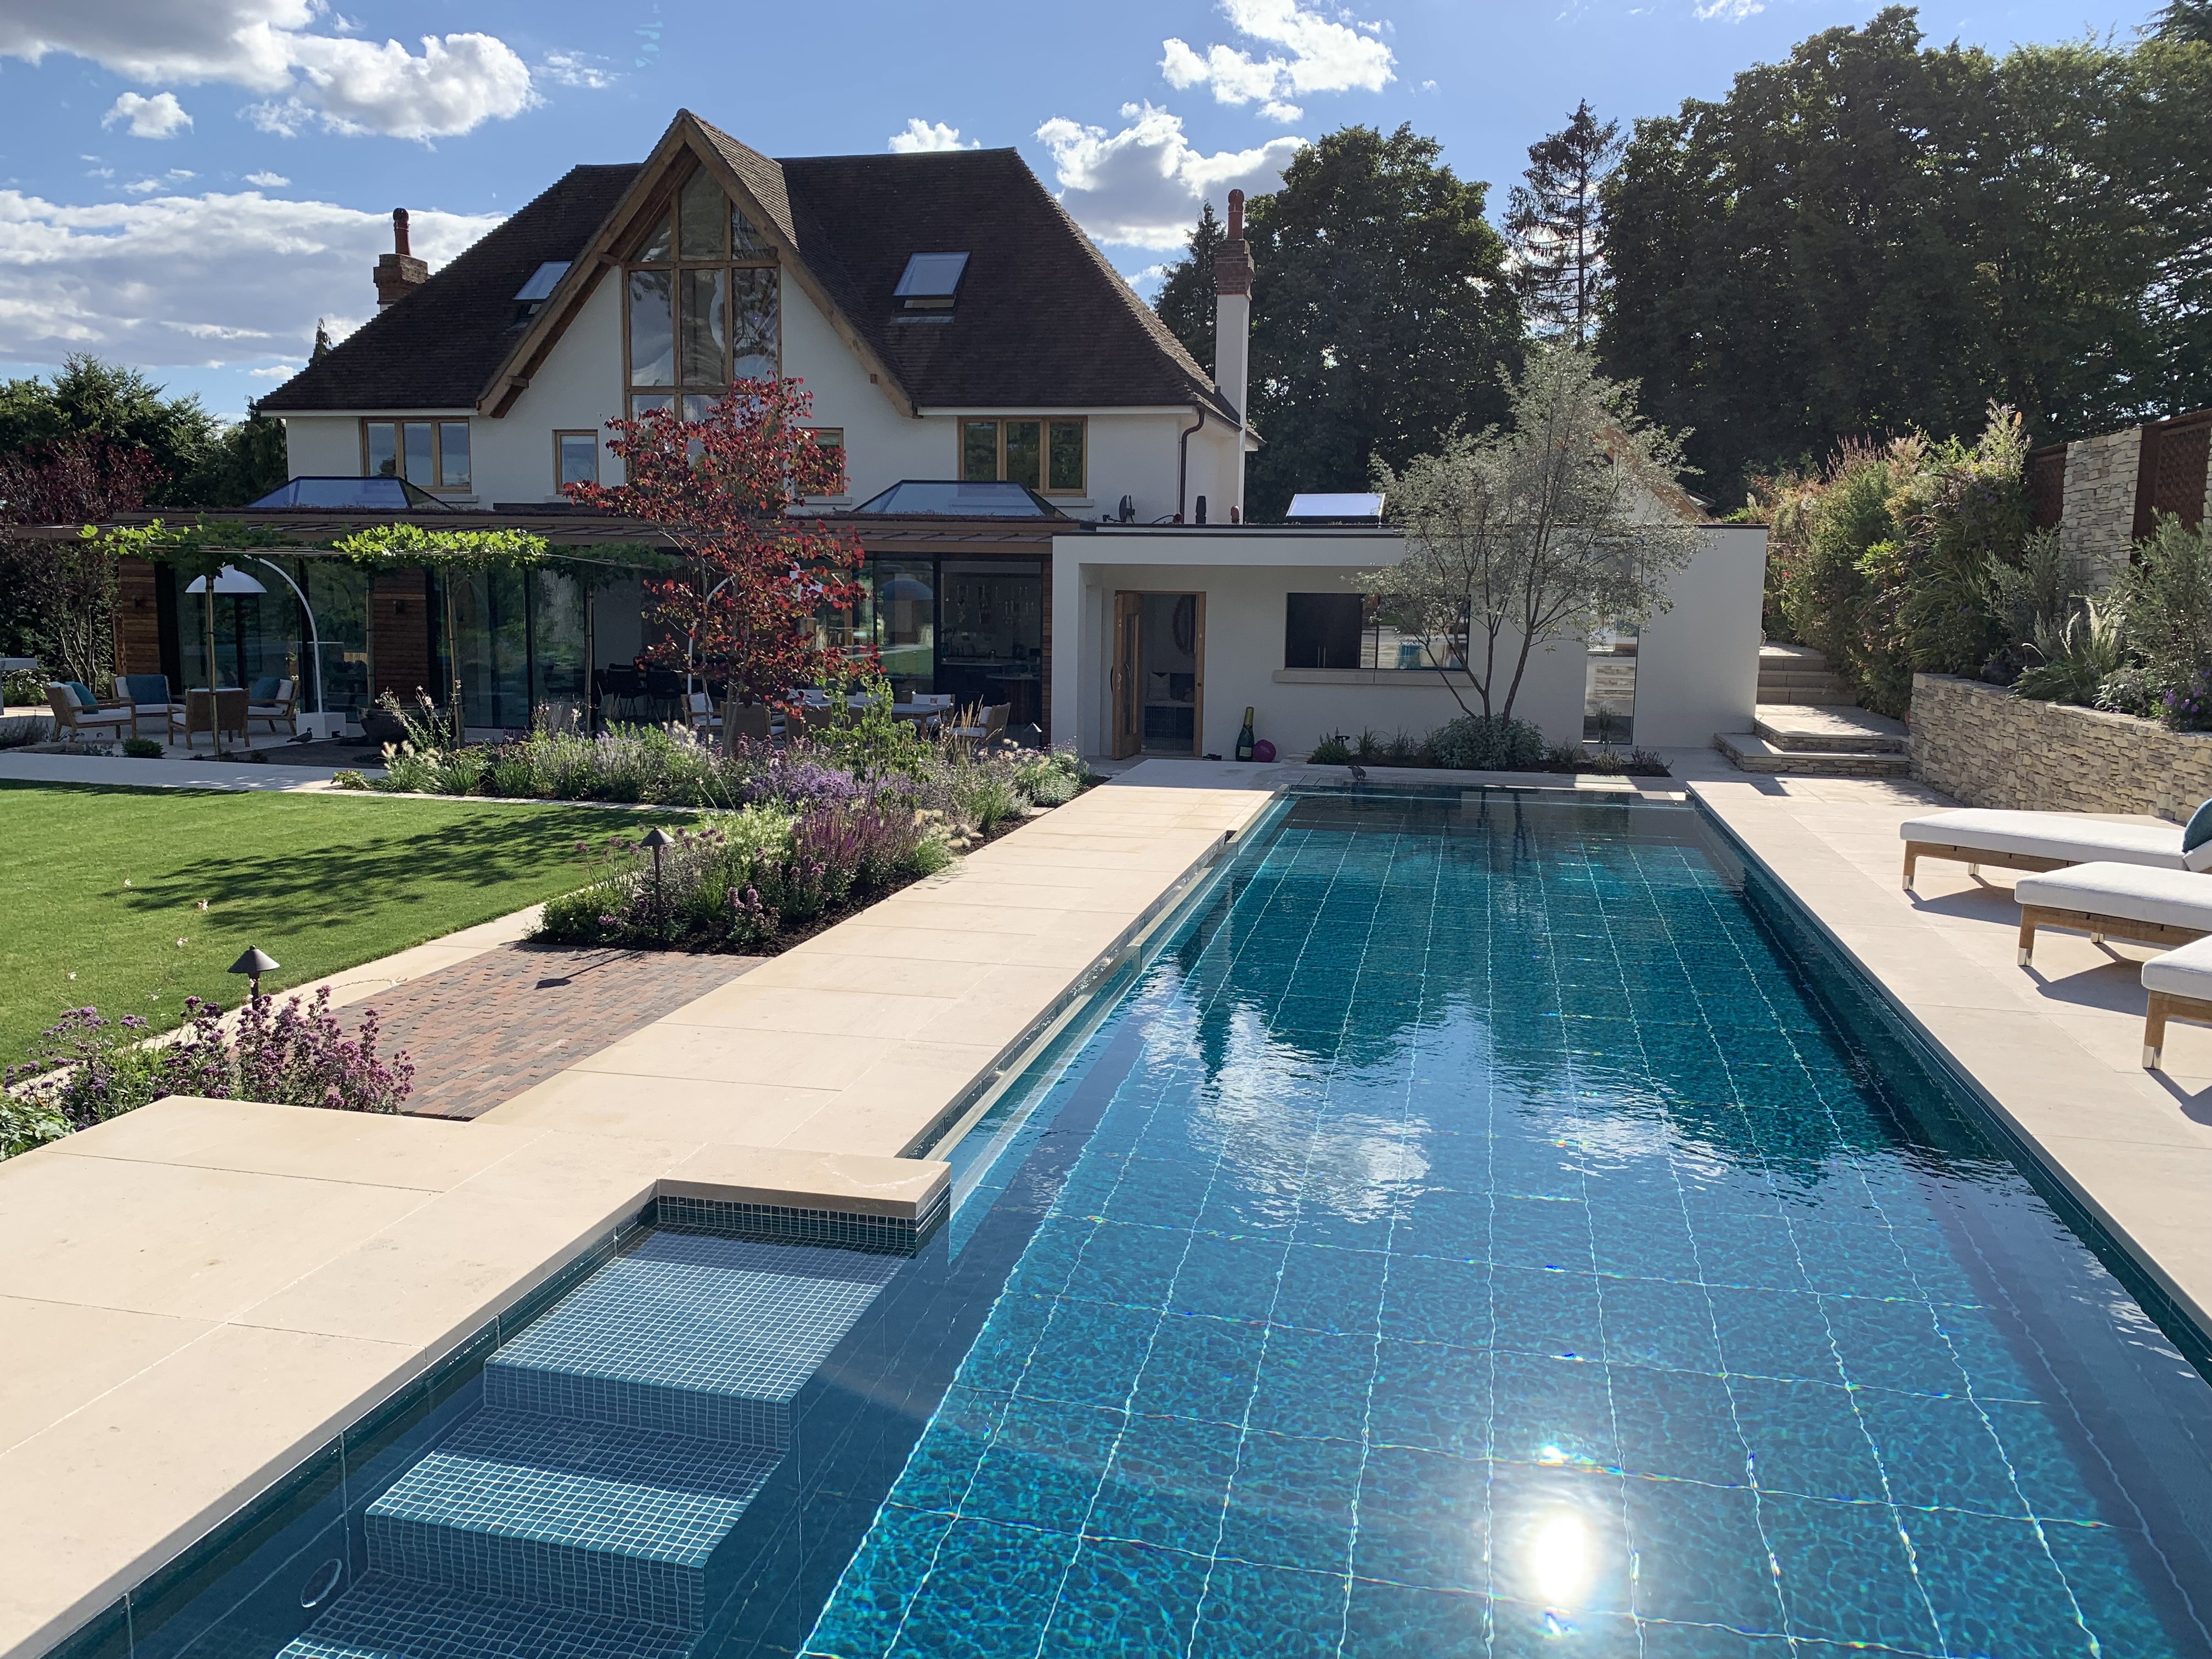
(82, 692)
(265, 690)
(145, 688)
(2196, 838)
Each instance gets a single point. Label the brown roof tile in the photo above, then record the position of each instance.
(1041, 320)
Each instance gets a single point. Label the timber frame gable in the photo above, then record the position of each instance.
(752, 181)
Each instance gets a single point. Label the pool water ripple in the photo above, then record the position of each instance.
(1498, 1244)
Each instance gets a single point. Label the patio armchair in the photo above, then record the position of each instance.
(990, 727)
(149, 698)
(809, 719)
(699, 715)
(754, 722)
(2039, 841)
(272, 700)
(215, 713)
(78, 710)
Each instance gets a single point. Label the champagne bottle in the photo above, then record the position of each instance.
(1244, 737)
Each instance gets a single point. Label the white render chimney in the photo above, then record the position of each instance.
(1232, 328)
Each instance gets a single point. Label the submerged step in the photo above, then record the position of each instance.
(387, 1617)
(589, 1516)
(692, 1334)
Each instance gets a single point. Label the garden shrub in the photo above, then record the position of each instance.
(2078, 656)
(141, 748)
(1487, 742)
(736, 885)
(1334, 750)
(2166, 597)
(87, 1068)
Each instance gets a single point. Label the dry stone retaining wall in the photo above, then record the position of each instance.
(1981, 745)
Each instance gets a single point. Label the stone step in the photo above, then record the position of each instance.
(1802, 657)
(690, 1334)
(564, 1511)
(1752, 753)
(1818, 730)
(387, 1617)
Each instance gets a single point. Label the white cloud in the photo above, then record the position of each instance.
(1274, 111)
(193, 279)
(274, 372)
(1731, 11)
(1325, 55)
(457, 83)
(1143, 184)
(159, 117)
(576, 68)
(268, 181)
(921, 137)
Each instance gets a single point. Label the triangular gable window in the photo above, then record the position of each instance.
(712, 319)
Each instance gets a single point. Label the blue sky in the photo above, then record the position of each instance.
(188, 185)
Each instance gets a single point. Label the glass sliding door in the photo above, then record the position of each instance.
(991, 635)
(559, 652)
(906, 622)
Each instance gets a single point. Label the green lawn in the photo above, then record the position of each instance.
(320, 882)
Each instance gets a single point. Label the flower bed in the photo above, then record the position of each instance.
(1477, 742)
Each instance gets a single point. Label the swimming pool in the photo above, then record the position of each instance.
(1484, 1229)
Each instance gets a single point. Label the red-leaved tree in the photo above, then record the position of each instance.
(57, 598)
(721, 489)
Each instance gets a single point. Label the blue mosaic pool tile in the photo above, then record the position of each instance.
(386, 1617)
(1127, 1598)
(690, 1334)
(1545, 1276)
(566, 1510)
(844, 1229)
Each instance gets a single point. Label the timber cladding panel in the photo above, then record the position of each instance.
(1985, 747)
(399, 633)
(137, 618)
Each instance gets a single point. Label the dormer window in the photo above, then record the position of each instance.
(929, 285)
(704, 303)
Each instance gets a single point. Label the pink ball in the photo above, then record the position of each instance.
(1263, 751)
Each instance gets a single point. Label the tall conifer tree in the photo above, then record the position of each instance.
(1554, 225)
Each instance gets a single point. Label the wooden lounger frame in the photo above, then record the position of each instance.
(2164, 1006)
(1974, 857)
(2099, 928)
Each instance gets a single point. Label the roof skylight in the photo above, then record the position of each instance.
(930, 281)
(544, 280)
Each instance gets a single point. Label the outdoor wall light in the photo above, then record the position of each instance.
(657, 838)
(255, 963)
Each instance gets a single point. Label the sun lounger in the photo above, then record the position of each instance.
(2043, 840)
(2119, 900)
(2180, 987)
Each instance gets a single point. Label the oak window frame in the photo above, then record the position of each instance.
(438, 426)
(661, 248)
(1047, 450)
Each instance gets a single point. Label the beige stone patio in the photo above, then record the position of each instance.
(2056, 1047)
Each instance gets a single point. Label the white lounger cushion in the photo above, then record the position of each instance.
(2052, 836)
(2184, 973)
(2172, 898)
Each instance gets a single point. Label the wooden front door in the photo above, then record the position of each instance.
(1128, 678)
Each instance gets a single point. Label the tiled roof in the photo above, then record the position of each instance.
(1042, 319)
(439, 347)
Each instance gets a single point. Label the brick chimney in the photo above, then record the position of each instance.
(399, 273)
(1232, 327)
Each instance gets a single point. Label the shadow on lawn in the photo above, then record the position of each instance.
(321, 886)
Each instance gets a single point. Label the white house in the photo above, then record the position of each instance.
(1049, 488)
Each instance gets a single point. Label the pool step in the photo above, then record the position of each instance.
(585, 1515)
(384, 1617)
(591, 1506)
(690, 1334)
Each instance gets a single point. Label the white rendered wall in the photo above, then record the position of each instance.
(1696, 663)
(578, 387)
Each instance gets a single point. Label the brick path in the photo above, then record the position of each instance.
(485, 1030)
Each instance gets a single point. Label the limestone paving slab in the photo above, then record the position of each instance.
(2055, 1048)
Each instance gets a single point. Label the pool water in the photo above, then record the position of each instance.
(1490, 1232)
